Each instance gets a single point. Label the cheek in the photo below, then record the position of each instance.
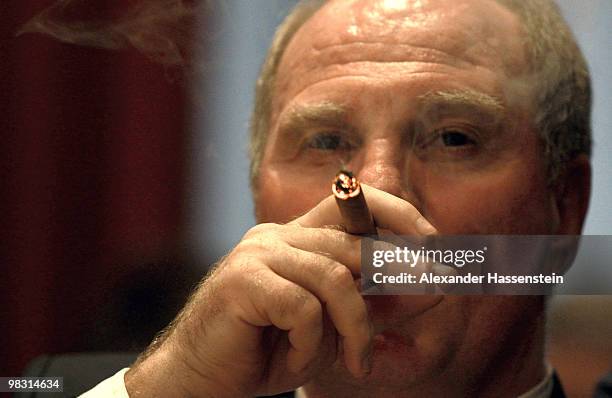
(514, 200)
(284, 196)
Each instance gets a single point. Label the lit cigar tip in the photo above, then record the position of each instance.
(345, 185)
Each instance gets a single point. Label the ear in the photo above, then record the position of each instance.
(572, 193)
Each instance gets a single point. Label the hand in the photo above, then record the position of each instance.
(279, 308)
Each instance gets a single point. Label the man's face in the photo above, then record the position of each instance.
(421, 99)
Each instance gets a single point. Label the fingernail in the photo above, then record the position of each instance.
(424, 227)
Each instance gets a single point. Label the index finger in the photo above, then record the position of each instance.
(389, 212)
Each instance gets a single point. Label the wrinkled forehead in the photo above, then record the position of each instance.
(352, 37)
(481, 32)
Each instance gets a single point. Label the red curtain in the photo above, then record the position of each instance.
(92, 175)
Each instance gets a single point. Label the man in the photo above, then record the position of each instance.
(461, 117)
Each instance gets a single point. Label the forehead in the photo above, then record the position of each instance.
(398, 19)
(364, 36)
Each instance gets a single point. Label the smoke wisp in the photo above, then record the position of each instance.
(162, 30)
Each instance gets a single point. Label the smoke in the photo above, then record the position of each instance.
(162, 30)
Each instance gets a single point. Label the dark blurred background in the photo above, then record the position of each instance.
(93, 174)
(123, 174)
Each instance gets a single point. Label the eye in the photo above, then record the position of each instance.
(450, 139)
(449, 144)
(455, 139)
(328, 142)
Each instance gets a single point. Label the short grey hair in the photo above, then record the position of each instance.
(264, 88)
(562, 85)
(562, 94)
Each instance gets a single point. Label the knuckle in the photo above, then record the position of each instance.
(242, 271)
(312, 310)
(260, 250)
(290, 300)
(284, 308)
(249, 248)
(261, 238)
(259, 229)
(234, 275)
(254, 282)
(246, 246)
(340, 277)
(286, 300)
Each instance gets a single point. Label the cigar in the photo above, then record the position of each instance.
(356, 216)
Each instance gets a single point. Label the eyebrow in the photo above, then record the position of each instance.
(324, 113)
(436, 104)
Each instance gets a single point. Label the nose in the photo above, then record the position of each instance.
(383, 166)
